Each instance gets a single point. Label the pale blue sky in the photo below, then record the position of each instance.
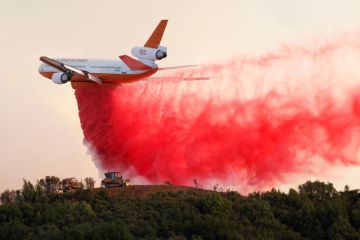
(40, 129)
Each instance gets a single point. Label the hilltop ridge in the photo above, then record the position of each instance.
(315, 211)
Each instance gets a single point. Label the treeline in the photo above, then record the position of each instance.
(314, 211)
(47, 185)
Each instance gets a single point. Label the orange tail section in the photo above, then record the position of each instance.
(156, 36)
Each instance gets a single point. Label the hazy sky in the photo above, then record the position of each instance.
(40, 132)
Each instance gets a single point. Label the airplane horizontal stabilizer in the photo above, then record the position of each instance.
(134, 64)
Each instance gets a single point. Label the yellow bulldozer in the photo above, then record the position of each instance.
(114, 180)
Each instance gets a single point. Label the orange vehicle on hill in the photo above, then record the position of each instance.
(71, 184)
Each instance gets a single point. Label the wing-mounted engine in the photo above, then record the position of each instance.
(61, 77)
(150, 54)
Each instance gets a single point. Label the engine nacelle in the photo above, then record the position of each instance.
(152, 54)
(61, 77)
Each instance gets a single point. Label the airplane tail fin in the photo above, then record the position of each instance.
(156, 36)
(152, 51)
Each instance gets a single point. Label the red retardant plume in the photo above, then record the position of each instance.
(257, 123)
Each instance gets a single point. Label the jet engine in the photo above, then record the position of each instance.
(152, 54)
(61, 77)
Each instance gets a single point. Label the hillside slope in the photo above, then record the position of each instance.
(315, 211)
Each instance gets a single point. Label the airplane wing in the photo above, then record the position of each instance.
(176, 67)
(64, 68)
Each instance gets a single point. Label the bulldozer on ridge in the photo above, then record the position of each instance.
(114, 180)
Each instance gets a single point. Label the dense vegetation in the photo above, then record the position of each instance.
(315, 211)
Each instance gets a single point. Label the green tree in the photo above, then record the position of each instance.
(342, 229)
(355, 214)
(83, 212)
(50, 184)
(318, 191)
(5, 197)
(89, 183)
(28, 192)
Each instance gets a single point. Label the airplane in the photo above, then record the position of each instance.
(87, 72)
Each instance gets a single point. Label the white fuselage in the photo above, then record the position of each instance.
(97, 66)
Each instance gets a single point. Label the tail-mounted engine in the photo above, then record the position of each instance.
(151, 54)
(61, 77)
